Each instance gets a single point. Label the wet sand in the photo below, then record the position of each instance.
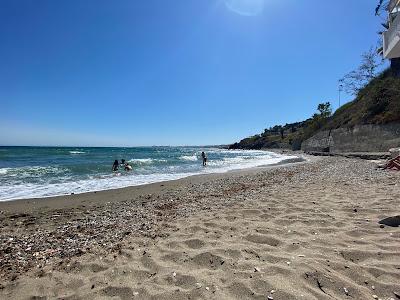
(301, 231)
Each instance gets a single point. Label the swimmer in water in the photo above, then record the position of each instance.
(127, 167)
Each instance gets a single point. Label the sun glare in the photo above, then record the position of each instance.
(246, 7)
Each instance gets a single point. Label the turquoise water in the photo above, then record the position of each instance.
(27, 172)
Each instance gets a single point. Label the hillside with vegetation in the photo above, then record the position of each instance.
(376, 102)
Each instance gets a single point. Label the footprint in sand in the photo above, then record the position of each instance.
(262, 239)
(194, 244)
(208, 260)
(180, 280)
(121, 292)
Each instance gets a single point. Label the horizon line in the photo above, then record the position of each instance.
(142, 146)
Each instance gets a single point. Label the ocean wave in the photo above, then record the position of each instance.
(237, 151)
(82, 176)
(243, 162)
(188, 157)
(31, 171)
(4, 171)
(32, 190)
(239, 158)
(77, 152)
(145, 160)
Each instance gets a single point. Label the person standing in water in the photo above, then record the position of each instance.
(204, 157)
(115, 166)
(122, 162)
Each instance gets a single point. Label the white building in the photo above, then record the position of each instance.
(391, 37)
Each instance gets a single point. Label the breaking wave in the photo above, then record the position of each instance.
(188, 157)
(146, 160)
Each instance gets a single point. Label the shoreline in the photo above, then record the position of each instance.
(72, 200)
(298, 231)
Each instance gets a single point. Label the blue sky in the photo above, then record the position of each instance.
(182, 72)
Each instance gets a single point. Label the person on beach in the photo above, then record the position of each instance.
(204, 157)
(115, 166)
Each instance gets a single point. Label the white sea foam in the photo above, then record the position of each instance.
(188, 157)
(238, 163)
(146, 160)
(31, 190)
(4, 171)
(141, 160)
(240, 159)
(246, 152)
(77, 152)
(29, 171)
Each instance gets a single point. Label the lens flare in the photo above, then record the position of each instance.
(246, 7)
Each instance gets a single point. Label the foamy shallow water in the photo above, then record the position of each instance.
(35, 172)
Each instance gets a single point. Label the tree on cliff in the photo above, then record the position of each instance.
(319, 119)
(357, 79)
(325, 110)
(382, 6)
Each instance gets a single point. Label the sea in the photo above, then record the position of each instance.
(37, 172)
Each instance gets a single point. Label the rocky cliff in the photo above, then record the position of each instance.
(360, 138)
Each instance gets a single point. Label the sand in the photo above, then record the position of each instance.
(304, 231)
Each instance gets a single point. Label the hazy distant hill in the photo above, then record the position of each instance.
(378, 103)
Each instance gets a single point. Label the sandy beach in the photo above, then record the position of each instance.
(301, 231)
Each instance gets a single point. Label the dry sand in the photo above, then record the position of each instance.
(305, 231)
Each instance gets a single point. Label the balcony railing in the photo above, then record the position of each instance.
(393, 31)
(393, 4)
